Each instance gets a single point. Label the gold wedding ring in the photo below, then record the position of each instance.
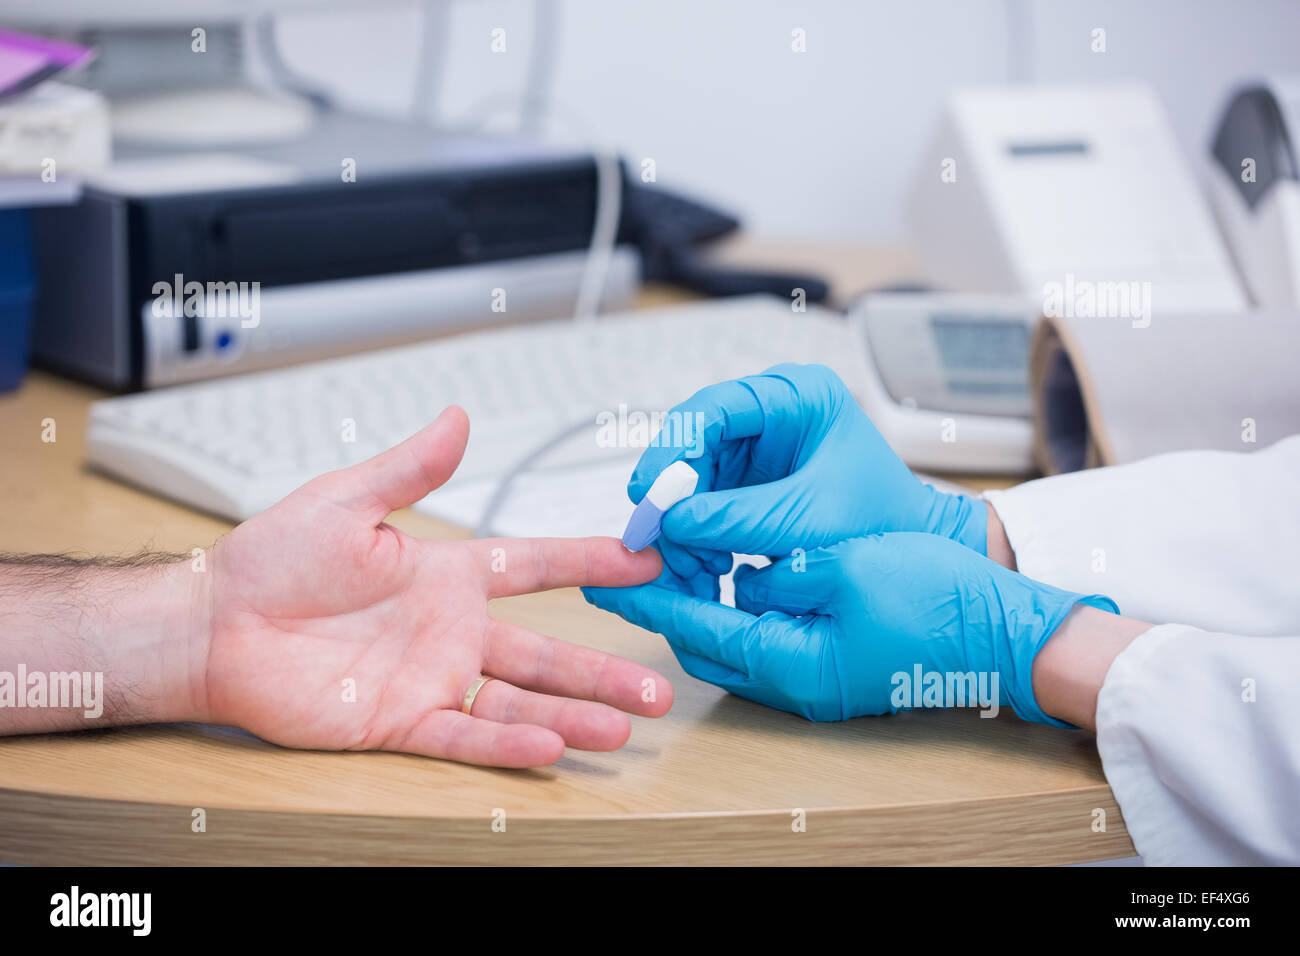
(467, 702)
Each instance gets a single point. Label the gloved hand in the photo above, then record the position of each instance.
(789, 460)
(827, 640)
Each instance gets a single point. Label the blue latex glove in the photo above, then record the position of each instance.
(826, 641)
(789, 460)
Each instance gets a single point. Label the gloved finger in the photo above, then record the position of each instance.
(796, 586)
(786, 657)
(704, 585)
(690, 562)
(683, 562)
(703, 628)
(729, 412)
(742, 603)
(785, 400)
(778, 659)
(701, 668)
(719, 413)
(717, 562)
(759, 519)
(706, 560)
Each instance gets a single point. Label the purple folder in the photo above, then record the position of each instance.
(27, 60)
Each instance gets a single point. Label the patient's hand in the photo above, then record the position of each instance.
(330, 629)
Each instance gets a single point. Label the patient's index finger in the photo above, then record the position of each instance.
(523, 565)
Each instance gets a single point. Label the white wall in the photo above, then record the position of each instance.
(815, 144)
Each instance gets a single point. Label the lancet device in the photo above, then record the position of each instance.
(674, 483)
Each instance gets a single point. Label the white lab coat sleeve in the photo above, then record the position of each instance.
(1206, 538)
(1199, 735)
(1198, 727)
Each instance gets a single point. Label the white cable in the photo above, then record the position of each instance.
(1019, 36)
(506, 483)
(277, 68)
(533, 105)
(609, 197)
(542, 60)
(534, 108)
(435, 31)
(604, 236)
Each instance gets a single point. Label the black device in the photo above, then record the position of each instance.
(418, 239)
(671, 231)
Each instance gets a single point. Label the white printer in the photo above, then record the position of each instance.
(1025, 187)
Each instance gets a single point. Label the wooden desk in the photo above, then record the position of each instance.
(716, 781)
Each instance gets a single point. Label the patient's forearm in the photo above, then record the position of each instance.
(89, 644)
(1070, 668)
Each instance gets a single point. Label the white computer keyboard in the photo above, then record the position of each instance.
(237, 445)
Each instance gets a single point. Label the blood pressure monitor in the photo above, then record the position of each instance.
(947, 377)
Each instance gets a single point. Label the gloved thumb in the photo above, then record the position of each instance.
(756, 519)
(786, 586)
